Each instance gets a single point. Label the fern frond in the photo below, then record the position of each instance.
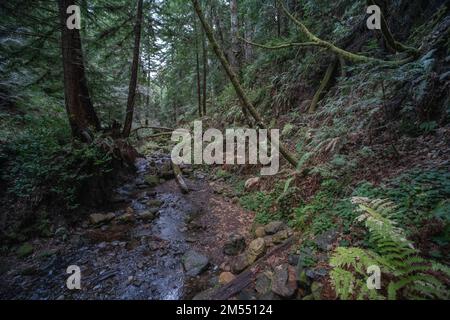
(366, 293)
(410, 275)
(434, 287)
(441, 268)
(344, 282)
(356, 258)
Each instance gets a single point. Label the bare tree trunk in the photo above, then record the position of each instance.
(248, 48)
(285, 20)
(235, 48)
(235, 54)
(151, 39)
(85, 10)
(278, 17)
(148, 74)
(134, 72)
(149, 90)
(205, 73)
(199, 85)
(79, 106)
(175, 112)
(219, 30)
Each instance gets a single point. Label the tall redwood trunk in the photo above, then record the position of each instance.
(151, 38)
(78, 103)
(134, 72)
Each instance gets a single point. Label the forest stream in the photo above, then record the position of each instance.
(317, 132)
(144, 250)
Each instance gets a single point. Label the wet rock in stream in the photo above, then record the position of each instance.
(234, 245)
(98, 218)
(194, 263)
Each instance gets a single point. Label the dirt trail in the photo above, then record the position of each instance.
(129, 257)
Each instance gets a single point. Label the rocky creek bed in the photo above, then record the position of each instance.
(141, 250)
(158, 243)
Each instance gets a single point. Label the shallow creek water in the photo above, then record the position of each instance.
(138, 260)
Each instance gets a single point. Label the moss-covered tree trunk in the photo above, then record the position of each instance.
(393, 44)
(353, 57)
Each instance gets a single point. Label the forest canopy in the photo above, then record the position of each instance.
(92, 91)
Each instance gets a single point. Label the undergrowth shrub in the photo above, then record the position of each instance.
(319, 212)
(274, 205)
(44, 163)
(422, 197)
(419, 195)
(261, 203)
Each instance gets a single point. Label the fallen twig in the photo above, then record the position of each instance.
(179, 176)
(153, 128)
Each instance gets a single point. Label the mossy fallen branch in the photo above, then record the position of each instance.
(154, 128)
(356, 58)
(282, 45)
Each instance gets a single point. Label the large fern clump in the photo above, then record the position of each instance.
(404, 274)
